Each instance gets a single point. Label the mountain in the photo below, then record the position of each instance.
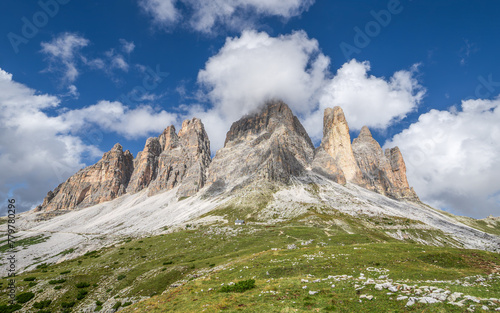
(168, 161)
(270, 144)
(103, 181)
(162, 225)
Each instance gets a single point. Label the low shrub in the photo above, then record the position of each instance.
(240, 286)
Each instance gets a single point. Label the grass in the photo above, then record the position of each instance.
(26, 242)
(240, 286)
(183, 263)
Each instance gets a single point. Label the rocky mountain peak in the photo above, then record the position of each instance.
(270, 144)
(336, 143)
(184, 159)
(103, 181)
(365, 134)
(273, 114)
(117, 147)
(168, 139)
(382, 172)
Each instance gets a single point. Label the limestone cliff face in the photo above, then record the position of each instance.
(384, 173)
(184, 159)
(398, 167)
(166, 162)
(336, 143)
(271, 144)
(145, 166)
(103, 181)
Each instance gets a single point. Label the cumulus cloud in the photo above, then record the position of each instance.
(163, 12)
(452, 157)
(39, 150)
(368, 100)
(255, 67)
(36, 150)
(240, 14)
(205, 16)
(127, 46)
(62, 53)
(64, 56)
(118, 118)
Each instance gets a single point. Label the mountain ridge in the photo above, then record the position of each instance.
(269, 144)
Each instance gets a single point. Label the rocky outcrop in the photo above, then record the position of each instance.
(184, 159)
(336, 144)
(271, 144)
(398, 166)
(145, 166)
(103, 181)
(167, 162)
(382, 172)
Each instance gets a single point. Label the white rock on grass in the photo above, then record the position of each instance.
(411, 301)
(428, 300)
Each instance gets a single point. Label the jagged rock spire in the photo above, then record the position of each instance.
(103, 181)
(384, 173)
(271, 144)
(337, 143)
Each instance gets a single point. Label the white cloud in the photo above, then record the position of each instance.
(116, 117)
(127, 46)
(366, 99)
(163, 11)
(117, 61)
(62, 52)
(72, 92)
(39, 150)
(452, 157)
(36, 150)
(255, 67)
(205, 16)
(240, 14)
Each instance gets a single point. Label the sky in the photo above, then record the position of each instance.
(78, 76)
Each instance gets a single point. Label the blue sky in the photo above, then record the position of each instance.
(79, 76)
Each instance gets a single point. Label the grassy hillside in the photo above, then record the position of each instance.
(185, 270)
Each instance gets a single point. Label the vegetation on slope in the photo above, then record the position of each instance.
(184, 262)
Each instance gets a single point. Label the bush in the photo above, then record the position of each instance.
(68, 304)
(32, 284)
(57, 281)
(98, 303)
(42, 304)
(42, 266)
(120, 277)
(57, 287)
(29, 278)
(10, 308)
(240, 286)
(168, 262)
(65, 272)
(24, 297)
(127, 304)
(81, 294)
(117, 305)
(82, 285)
